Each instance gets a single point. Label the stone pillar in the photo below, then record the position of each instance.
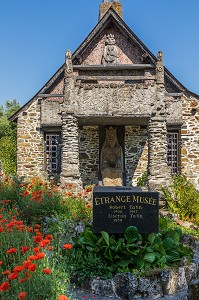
(70, 134)
(158, 170)
(70, 150)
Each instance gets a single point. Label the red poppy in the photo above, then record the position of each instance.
(67, 246)
(26, 264)
(22, 280)
(41, 255)
(24, 249)
(1, 262)
(22, 295)
(7, 272)
(32, 267)
(62, 297)
(4, 286)
(11, 250)
(26, 193)
(47, 271)
(37, 238)
(18, 269)
(13, 275)
(32, 257)
(49, 237)
(36, 249)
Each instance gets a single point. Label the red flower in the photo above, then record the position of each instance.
(32, 267)
(36, 249)
(22, 295)
(7, 272)
(37, 238)
(26, 264)
(41, 255)
(47, 271)
(24, 249)
(67, 246)
(4, 286)
(22, 280)
(18, 269)
(13, 275)
(11, 250)
(26, 193)
(32, 257)
(1, 262)
(62, 297)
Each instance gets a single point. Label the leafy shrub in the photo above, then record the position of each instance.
(182, 198)
(134, 252)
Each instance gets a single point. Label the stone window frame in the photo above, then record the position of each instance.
(52, 152)
(173, 150)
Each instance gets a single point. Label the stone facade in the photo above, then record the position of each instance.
(134, 91)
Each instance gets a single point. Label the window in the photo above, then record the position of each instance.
(173, 151)
(53, 153)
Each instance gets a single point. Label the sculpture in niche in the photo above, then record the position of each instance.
(111, 159)
(110, 55)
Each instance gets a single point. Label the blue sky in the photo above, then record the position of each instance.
(34, 35)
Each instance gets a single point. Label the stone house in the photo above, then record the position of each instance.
(112, 79)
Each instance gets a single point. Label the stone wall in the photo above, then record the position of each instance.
(89, 154)
(136, 153)
(30, 143)
(190, 140)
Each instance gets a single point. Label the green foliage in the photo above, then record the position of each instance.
(142, 180)
(82, 268)
(182, 198)
(133, 252)
(8, 137)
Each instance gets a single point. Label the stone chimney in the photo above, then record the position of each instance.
(106, 4)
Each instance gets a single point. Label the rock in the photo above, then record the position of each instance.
(102, 287)
(125, 285)
(194, 290)
(173, 281)
(150, 288)
(191, 271)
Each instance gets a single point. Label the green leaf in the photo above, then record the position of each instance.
(123, 263)
(106, 237)
(174, 235)
(139, 262)
(149, 257)
(131, 234)
(172, 256)
(168, 244)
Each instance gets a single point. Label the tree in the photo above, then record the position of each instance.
(8, 136)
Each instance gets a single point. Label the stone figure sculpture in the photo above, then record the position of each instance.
(69, 64)
(111, 159)
(110, 55)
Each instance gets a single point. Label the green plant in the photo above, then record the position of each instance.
(141, 181)
(133, 252)
(182, 198)
(82, 268)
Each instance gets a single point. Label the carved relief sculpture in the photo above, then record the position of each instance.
(111, 159)
(69, 64)
(110, 55)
